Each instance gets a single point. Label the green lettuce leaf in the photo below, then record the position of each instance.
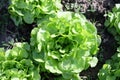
(16, 63)
(67, 43)
(28, 11)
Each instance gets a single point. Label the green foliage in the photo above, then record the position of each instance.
(111, 69)
(15, 64)
(29, 10)
(66, 44)
(63, 44)
(113, 22)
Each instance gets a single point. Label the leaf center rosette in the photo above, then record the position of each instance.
(66, 43)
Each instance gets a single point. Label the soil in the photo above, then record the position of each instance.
(9, 33)
(88, 5)
(94, 11)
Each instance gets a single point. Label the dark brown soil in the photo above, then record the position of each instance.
(9, 33)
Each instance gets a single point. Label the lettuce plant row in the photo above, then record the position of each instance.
(63, 43)
(111, 69)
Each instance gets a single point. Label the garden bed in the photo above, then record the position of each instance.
(94, 11)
